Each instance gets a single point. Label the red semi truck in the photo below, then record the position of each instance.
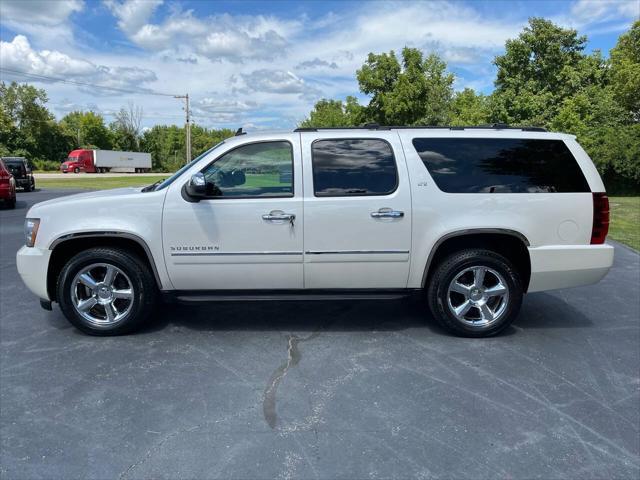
(102, 161)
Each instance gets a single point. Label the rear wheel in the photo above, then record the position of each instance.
(76, 170)
(106, 291)
(475, 293)
(11, 203)
(27, 187)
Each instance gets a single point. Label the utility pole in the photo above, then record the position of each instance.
(187, 125)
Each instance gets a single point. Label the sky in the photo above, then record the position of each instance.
(259, 65)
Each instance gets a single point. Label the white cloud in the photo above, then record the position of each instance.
(132, 15)
(316, 63)
(41, 12)
(264, 70)
(45, 21)
(585, 12)
(216, 105)
(217, 37)
(278, 81)
(18, 55)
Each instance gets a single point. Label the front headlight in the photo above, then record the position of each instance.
(31, 230)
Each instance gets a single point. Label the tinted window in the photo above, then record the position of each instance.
(253, 170)
(488, 165)
(359, 166)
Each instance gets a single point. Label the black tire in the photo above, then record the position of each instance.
(27, 188)
(11, 204)
(142, 283)
(76, 170)
(506, 308)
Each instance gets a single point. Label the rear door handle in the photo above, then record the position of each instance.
(387, 213)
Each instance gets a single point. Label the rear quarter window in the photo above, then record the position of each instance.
(495, 165)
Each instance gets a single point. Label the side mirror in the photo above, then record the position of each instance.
(196, 187)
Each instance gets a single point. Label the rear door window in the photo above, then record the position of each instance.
(353, 167)
(496, 165)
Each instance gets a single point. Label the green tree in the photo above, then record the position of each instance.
(593, 115)
(202, 139)
(27, 128)
(545, 78)
(539, 70)
(418, 91)
(335, 113)
(87, 129)
(166, 144)
(125, 129)
(469, 108)
(625, 70)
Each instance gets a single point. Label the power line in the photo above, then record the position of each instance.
(114, 89)
(84, 84)
(38, 76)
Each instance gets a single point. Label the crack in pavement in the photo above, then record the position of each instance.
(293, 358)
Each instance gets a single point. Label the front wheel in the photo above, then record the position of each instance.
(106, 291)
(76, 170)
(475, 293)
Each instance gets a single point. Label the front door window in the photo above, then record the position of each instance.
(262, 169)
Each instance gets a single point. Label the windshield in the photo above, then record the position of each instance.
(168, 181)
(72, 159)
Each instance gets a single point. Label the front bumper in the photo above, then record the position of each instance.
(563, 266)
(33, 264)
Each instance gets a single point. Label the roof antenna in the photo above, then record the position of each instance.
(240, 132)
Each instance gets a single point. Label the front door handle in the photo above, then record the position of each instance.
(387, 213)
(278, 215)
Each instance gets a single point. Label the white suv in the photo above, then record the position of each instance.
(473, 216)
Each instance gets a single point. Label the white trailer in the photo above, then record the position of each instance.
(116, 161)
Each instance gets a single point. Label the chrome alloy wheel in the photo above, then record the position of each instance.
(102, 294)
(478, 296)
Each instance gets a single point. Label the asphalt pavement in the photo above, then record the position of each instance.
(321, 389)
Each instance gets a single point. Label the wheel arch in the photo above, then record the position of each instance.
(64, 247)
(509, 243)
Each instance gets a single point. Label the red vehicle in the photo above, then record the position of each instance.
(102, 161)
(7, 186)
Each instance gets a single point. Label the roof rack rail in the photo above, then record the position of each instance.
(375, 126)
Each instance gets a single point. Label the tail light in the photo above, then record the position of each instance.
(600, 218)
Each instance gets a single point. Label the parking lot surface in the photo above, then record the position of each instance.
(322, 389)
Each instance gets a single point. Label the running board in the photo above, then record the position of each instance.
(252, 296)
